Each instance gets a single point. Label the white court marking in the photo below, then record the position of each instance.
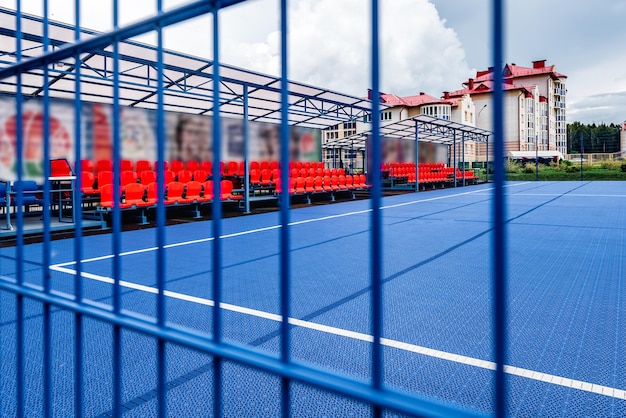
(443, 355)
(457, 358)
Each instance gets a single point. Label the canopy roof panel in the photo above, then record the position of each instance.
(188, 80)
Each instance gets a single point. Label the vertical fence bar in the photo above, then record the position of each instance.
(161, 306)
(78, 227)
(216, 208)
(376, 222)
(499, 250)
(285, 262)
(417, 159)
(463, 155)
(117, 223)
(246, 151)
(47, 206)
(454, 161)
(19, 251)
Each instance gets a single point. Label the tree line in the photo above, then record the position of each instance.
(595, 138)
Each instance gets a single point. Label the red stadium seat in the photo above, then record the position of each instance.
(176, 166)
(319, 184)
(147, 176)
(200, 175)
(128, 177)
(142, 165)
(86, 165)
(192, 165)
(104, 165)
(87, 183)
(133, 195)
(300, 185)
(174, 192)
(184, 176)
(104, 178)
(208, 190)
(126, 165)
(309, 184)
(193, 192)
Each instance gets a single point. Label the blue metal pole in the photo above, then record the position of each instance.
(78, 227)
(216, 210)
(463, 156)
(417, 159)
(161, 255)
(454, 163)
(246, 151)
(376, 222)
(19, 149)
(47, 203)
(117, 224)
(285, 262)
(499, 212)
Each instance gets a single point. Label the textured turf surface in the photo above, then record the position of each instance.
(567, 263)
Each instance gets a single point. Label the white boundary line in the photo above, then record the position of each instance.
(443, 355)
(269, 228)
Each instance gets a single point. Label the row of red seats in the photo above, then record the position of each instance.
(137, 195)
(231, 168)
(325, 184)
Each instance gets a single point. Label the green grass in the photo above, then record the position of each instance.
(608, 171)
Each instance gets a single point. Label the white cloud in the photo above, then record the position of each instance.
(329, 46)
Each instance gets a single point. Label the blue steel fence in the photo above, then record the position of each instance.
(374, 393)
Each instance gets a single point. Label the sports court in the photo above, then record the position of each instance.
(565, 307)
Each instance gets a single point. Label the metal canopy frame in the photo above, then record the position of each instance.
(188, 83)
(430, 129)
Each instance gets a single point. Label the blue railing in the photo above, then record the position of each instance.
(374, 392)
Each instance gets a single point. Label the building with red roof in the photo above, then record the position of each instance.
(534, 106)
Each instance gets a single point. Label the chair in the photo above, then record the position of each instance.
(175, 191)
(192, 165)
(151, 197)
(87, 182)
(143, 165)
(104, 165)
(265, 165)
(309, 184)
(194, 192)
(273, 165)
(227, 188)
(334, 183)
(254, 165)
(60, 168)
(275, 175)
(126, 165)
(170, 176)
(363, 181)
(208, 190)
(231, 169)
(200, 175)
(207, 166)
(86, 165)
(326, 184)
(176, 166)
(133, 195)
(184, 176)
(319, 184)
(147, 176)
(300, 185)
(266, 177)
(104, 178)
(241, 169)
(128, 177)
(255, 177)
(342, 183)
(349, 182)
(106, 196)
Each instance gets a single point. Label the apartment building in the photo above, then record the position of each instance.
(534, 106)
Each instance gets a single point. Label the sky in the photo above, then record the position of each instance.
(427, 46)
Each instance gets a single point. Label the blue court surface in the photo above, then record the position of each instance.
(566, 306)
